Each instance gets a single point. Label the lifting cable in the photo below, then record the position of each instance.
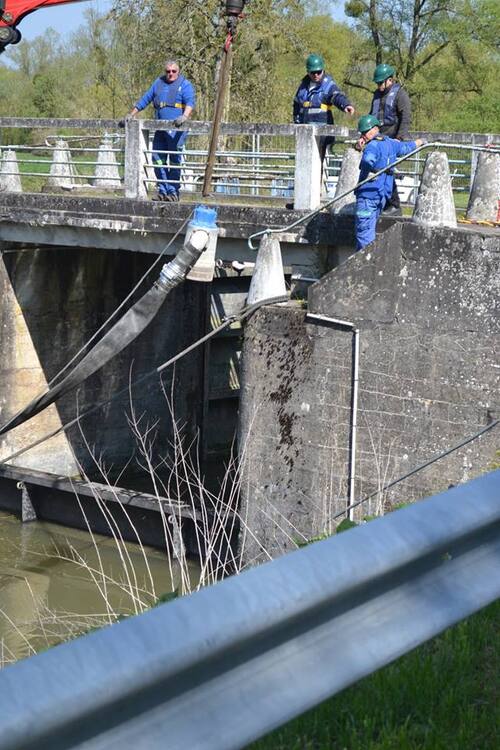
(371, 177)
(237, 317)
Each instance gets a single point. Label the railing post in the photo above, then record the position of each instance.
(136, 143)
(308, 165)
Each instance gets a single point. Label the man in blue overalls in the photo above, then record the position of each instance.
(173, 98)
(316, 96)
(378, 152)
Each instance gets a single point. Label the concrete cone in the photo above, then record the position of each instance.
(62, 169)
(485, 193)
(106, 175)
(10, 179)
(268, 279)
(348, 179)
(435, 206)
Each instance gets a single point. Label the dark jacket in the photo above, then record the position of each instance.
(314, 103)
(396, 123)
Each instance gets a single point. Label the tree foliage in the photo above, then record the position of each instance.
(445, 52)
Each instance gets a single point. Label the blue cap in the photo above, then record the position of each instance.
(204, 217)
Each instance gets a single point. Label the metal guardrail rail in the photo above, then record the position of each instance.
(228, 664)
(255, 161)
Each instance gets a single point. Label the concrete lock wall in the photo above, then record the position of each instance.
(53, 300)
(424, 301)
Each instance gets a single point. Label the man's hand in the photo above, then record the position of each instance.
(180, 120)
(360, 144)
(123, 122)
(350, 110)
(421, 141)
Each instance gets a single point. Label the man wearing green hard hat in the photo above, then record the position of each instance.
(392, 107)
(379, 151)
(316, 96)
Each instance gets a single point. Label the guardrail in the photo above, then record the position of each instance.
(256, 162)
(220, 668)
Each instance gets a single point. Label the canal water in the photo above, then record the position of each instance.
(56, 583)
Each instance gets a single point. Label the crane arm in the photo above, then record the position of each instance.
(13, 11)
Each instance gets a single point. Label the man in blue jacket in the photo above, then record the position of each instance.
(173, 98)
(378, 152)
(316, 96)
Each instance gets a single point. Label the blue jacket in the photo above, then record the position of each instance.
(315, 104)
(377, 154)
(168, 99)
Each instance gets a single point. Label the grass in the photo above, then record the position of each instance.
(443, 696)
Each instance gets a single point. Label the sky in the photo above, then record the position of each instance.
(63, 18)
(66, 18)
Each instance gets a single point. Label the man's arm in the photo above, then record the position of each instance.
(403, 109)
(336, 97)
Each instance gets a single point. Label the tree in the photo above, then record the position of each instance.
(443, 50)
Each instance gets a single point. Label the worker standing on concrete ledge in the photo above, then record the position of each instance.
(378, 152)
(316, 96)
(173, 98)
(392, 107)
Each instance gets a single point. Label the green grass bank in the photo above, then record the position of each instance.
(444, 695)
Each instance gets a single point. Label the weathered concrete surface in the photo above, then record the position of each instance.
(146, 227)
(485, 194)
(62, 170)
(10, 179)
(435, 206)
(348, 179)
(107, 175)
(53, 301)
(425, 302)
(268, 279)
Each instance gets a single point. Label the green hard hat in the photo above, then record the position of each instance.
(367, 122)
(382, 72)
(314, 62)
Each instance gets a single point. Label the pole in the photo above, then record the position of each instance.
(225, 68)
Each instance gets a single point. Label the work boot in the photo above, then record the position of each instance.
(392, 211)
(172, 197)
(159, 197)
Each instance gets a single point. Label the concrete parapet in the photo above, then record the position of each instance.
(485, 194)
(106, 175)
(348, 179)
(10, 179)
(62, 170)
(435, 205)
(268, 278)
(308, 164)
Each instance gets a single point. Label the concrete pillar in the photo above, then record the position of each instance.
(435, 206)
(485, 193)
(62, 170)
(23, 376)
(136, 143)
(268, 279)
(106, 175)
(307, 192)
(10, 180)
(348, 179)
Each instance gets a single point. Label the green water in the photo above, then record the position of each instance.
(57, 582)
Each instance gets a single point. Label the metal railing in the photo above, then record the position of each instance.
(218, 669)
(254, 162)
